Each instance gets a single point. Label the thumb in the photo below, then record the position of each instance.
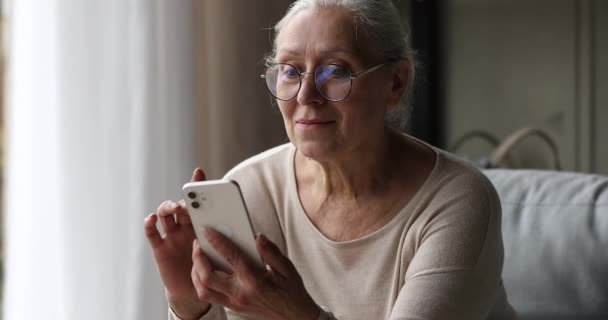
(198, 175)
(273, 257)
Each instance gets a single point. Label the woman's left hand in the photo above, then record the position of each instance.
(276, 292)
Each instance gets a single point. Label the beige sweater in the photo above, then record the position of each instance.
(440, 257)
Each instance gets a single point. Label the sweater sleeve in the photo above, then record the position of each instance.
(456, 270)
(216, 312)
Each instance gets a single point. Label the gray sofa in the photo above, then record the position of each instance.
(555, 231)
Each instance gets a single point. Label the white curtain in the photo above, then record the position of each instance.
(100, 129)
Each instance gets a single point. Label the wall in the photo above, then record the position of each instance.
(601, 86)
(516, 63)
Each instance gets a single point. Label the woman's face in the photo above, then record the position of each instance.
(323, 129)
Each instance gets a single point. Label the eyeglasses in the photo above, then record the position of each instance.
(333, 81)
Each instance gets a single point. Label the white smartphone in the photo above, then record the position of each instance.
(219, 204)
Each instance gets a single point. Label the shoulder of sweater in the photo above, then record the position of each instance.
(262, 162)
(457, 183)
(457, 172)
(452, 171)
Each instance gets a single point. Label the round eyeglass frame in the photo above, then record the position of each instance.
(314, 74)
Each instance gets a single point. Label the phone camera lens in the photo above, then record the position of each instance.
(195, 205)
(191, 195)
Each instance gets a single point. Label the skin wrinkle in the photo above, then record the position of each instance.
(358, 46)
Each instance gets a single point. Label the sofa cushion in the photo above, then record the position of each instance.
(555, 231)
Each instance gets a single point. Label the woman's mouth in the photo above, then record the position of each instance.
(314, 123)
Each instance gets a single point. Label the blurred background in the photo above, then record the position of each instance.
(108, 106)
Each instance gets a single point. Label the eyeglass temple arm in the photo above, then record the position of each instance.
(368, 70)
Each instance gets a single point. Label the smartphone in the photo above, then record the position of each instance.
(219, 204)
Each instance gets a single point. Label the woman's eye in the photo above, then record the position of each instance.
(290, 73)
(337, 72)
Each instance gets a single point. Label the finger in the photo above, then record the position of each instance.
(171, 214)
(198, 175)
(207, 294)
(154, 237)
(273, 257)
(205, 273)
(168, 223)
(183, 218)
(229, 251)
(166, 213)
(169, 208)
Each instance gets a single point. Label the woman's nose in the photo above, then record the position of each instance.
(309, 94)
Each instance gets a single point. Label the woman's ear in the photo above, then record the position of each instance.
(400, 77)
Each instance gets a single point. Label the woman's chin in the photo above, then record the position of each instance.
(316, 149)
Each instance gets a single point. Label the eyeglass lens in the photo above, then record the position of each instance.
(332, 81)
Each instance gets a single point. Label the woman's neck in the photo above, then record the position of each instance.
(362, 171)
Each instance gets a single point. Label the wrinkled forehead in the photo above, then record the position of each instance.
(322, 32)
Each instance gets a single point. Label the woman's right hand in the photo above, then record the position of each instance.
(173, 255)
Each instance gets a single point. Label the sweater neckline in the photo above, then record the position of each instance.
(301, 213)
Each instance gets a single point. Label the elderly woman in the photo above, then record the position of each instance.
(355, 220)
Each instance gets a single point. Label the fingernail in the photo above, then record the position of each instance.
(174, 205)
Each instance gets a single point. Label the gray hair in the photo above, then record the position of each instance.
(380, 22)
